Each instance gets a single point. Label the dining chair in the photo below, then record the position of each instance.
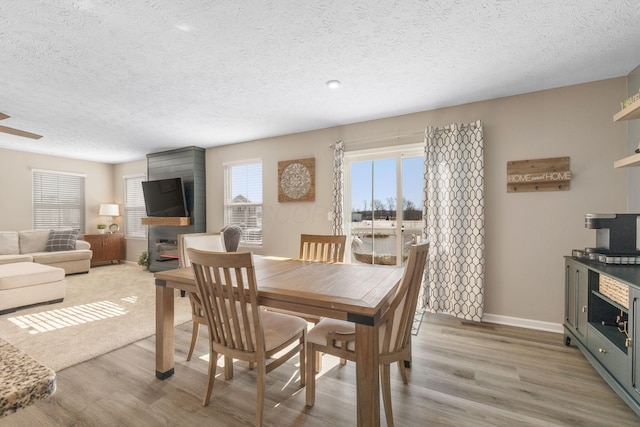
(319, 248)
(226, 241)
(238, 328)
(337, 337)
(322, 248)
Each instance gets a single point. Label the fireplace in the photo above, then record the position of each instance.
(188, 164)
(164, 248)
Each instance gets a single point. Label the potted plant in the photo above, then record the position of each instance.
(101, 228)
(143, 259)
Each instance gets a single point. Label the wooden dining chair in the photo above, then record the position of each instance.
(337, 337)
(319, 248)
(238, 328)
(322, 248)
(226, 241)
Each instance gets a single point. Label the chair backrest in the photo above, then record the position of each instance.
(323, 248)
(231, 236)
(227, 286)
(397, 321)
(205, 241)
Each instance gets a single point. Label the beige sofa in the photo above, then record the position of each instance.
(56, 248)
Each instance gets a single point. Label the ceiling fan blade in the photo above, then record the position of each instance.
(3, 116)
(18, 132)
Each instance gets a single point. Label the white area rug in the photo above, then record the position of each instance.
(105, 309)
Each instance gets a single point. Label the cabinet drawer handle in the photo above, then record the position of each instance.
(584, 308)
(602, 350)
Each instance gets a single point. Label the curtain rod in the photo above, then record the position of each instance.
(382, 138)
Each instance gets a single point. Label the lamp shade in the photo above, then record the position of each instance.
(109, 209)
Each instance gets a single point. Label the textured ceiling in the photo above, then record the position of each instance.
(113, 80)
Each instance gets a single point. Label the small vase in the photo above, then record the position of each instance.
(101, 230)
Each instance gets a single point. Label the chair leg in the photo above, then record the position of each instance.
(385, 384)
(403, 371)
(311, 374)
(194, 339)
(318, 361)
(228, 368)
(262, 372)
(303, 356)
(213, 363)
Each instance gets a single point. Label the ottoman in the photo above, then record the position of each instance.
(28, 283)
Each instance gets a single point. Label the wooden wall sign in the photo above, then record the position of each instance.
(539, 175)
(297, 180)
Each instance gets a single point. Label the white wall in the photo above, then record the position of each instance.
(633, 173)
(16, 188)
(527, 234)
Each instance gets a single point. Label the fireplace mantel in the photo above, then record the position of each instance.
(167, 220)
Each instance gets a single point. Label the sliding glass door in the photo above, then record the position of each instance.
(383, 196)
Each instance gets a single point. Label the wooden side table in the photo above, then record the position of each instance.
(107, 248)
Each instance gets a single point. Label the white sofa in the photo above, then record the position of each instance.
(56, 248)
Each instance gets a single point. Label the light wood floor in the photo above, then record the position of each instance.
(463, 375)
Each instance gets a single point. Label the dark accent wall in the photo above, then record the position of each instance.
(188, 164)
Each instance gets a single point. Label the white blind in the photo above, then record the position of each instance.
(58, 200)
(134, 209)
(243, 199)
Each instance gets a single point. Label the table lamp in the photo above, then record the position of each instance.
(109, 210)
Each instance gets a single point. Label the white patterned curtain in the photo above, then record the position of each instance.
(454, 220)
(337, 197)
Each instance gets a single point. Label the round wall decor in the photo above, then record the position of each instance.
(296, 180)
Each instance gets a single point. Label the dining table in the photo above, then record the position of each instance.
(359, 293)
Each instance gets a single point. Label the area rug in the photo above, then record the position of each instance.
(105, 309)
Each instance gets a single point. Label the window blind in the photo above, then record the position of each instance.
(243, 199)
(134, 208)
(58, 200)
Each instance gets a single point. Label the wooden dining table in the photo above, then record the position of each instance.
(355, 292)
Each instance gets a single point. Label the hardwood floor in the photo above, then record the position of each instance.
(463, 375)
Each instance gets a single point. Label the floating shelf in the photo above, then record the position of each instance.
(167, 220)
(631, 112)
(633, 160)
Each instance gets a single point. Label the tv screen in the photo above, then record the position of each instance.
(165, 197)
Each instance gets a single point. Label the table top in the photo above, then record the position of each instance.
(351, 289)
(630, 274)
(23, 380)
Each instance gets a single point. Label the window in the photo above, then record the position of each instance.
(58, 200)
(134, 209)
(243, 199)
(383, 193)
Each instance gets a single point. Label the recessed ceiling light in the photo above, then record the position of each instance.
(333, 84)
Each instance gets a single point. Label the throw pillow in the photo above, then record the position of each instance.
(32, 241)
(62, 240)
(9, 243)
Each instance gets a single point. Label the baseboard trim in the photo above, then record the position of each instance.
(523, 323)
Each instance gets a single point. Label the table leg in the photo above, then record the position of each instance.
(367, 375)
(164, 330)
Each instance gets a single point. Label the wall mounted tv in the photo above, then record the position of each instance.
(165, 197)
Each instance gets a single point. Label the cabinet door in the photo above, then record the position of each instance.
(576, 297)
(634, 348)
(97, 247)
(570, 298)
(582, 286)
(113, 247)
